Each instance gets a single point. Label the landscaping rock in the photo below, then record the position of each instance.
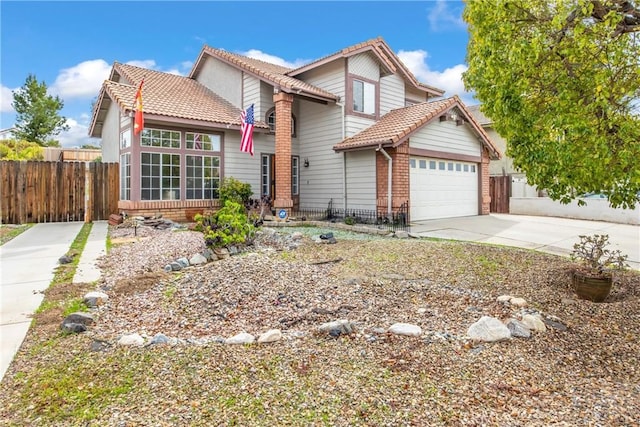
(184, 263)
(131, 340)
(241, 338)
(518, 329)
(534, 322)
(405, 329)
(271, 335)
(80, 317)
(337, 327)
(489, 329)
(198, 259)
(95, 299)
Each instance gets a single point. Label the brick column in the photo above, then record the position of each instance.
(485, 207)
(283, 198)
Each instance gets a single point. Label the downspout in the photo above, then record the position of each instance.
(389, 180)
(344, 161)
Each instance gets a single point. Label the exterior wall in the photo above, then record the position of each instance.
(361, 179)
(399, 179)
(595, 210)
(222, 79)
(330, 77)
(364, 65)
(392, 95)
(320, 127)
(251, 94)
(111, 135)
(503, 166)
(243, 166)
(266, 101)
(415, 95)
(446, 137)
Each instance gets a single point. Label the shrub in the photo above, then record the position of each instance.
(235, 190)
(227, 226)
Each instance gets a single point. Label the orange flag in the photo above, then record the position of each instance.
(138, 120)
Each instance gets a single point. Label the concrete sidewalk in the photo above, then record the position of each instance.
(28, 264)
(546, 234)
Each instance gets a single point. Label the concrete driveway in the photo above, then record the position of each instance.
(546, 234)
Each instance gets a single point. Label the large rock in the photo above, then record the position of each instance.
(131, 340)
(489, 329)
(534, 322)
(337, 327)
(198, 259)
(241, 338)
(79, 317)
(271, 335)
(518, 329)
(94, 299)
(405, 329)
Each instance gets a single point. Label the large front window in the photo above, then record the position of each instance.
(203, 177)
(202, 141)
(160, 176)
(160, 138)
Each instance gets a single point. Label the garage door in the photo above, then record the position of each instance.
(442, 188)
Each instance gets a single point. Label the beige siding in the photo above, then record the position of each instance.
(266, 101)
(222, 79)
(361, 180)
(251, 94)
(355, 124)
(365, 65)
(111, 135)
(243, 166)
(329, 77)
(391, 93)
(415, 95)
(319, 130)
(446, 137)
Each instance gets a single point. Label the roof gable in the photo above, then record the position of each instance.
(388, 60)
(398, 125)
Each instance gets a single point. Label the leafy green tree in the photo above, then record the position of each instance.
(37, 113)
(20, 150)
(561, 81)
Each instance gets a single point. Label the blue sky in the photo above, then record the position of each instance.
(72, 45)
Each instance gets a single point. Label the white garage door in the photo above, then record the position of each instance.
(442, 188)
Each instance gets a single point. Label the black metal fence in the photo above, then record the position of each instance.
(398, 220)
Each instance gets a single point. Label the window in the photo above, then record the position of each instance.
(203, 177)
(423, 164)
(265, 171)
(125, 176)
(271, 121)
(466, 168)
(364, 97)
(295, 169)
(458, 167)
(160, 138)
(450, 166)
(412, 163)
(441, 166)
(160, 176)
(125, 139)
(202, 141)
(473, 168)
(432, 164)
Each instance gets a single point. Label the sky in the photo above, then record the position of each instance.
(72, 45)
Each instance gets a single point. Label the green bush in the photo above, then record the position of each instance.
(350, 220)
(227, 226)
(235, 190)
(11, 149)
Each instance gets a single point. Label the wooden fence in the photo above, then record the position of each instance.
(499, 189)
(33, 191)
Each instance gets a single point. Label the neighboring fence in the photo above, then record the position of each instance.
(499, 187)
(33, 191)
(399, 219)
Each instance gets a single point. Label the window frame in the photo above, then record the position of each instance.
(272, 122)
(160, 177)
(125, 176)
(351, 79)
(215, 177)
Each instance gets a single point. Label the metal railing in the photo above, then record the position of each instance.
(399, 219)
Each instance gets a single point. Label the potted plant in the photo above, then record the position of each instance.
(593, 276)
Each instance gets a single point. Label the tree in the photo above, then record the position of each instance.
(11, 149)
(37, 113)
(561, 81)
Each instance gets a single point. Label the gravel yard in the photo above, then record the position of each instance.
(583, 370)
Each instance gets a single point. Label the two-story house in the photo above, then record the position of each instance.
(355, 128)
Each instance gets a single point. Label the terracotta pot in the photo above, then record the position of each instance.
(594, 289)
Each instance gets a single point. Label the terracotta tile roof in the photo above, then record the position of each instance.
(272, 73)
(389, 59)
(171, 95)
(396, 126)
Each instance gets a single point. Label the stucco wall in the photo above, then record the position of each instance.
(596, 210)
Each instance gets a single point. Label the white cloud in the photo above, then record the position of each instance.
(78, 133)
(6, 98)
(450, 79)
(81, 81)
(258, 54)
(443, 17)
(143, 63)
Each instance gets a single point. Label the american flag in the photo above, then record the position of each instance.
(246, 139)
(197, 142)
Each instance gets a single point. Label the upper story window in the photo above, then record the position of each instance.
(160, 138)
(202, 141)
(363, 97)
(271, 121)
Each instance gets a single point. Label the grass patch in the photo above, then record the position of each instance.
(8, 232)
(65, 272)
